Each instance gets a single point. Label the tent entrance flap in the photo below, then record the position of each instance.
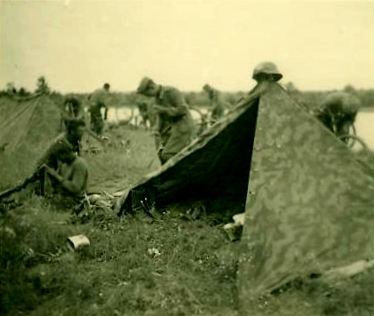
(214, 168)
(219, 170)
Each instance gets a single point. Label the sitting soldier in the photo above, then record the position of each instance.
(72, 137)
(70, 179)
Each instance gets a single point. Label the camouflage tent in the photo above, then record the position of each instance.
(309, 203)
(26, 128)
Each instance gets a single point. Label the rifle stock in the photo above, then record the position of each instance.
(21, 186)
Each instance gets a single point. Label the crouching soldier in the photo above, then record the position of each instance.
(71, 176)
(337, 112)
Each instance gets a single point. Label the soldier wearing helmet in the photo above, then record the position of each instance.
(337, 111)
(174, 128)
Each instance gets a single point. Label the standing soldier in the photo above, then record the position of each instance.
(217, 103)
(174, 128)
(338, 111)
(97, 102)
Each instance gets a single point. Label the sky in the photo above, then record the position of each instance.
(78, 45)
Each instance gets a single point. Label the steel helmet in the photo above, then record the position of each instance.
(268, 68)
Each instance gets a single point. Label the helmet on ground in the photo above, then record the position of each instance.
(266, 68)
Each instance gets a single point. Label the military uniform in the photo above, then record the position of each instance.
(338, 112)
(174, 123)
(97, 100)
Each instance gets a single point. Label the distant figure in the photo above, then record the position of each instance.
(70, 179)
(217, 103)
(98, 101)
(338, 111)
(72, 109)
(174, 128)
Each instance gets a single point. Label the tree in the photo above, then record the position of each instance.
(10, 88)
(349, 89)
(42, 86)
(23, 92)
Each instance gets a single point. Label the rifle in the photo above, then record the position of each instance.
(36, 176)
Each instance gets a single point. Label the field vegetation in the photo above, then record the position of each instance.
(136, 265)
(309, 99)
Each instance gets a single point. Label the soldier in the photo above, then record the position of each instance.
(72, 136)
(70, 179)
(217, 103)
(97, 102)
(174, 128)
(338, 111)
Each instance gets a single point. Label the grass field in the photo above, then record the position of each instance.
(135, 266)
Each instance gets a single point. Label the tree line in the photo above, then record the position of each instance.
(308, 99)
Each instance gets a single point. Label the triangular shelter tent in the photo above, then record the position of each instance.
(309, 203)
(27, 126)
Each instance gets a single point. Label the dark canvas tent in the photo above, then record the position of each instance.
(309, 203)
(27, 126)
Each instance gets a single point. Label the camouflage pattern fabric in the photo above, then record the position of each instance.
(209, 168)
(310, 204)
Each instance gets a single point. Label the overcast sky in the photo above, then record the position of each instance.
(78, 45)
